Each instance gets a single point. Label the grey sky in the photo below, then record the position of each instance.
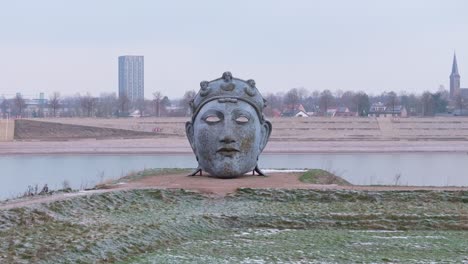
(370, 45)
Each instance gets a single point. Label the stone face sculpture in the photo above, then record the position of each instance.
(228, 131)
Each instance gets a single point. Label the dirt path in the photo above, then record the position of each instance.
(222, 187)
(216, 187)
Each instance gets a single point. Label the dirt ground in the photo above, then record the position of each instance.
(277, 180)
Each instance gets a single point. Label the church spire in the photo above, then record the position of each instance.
(454, 78)
(454, 65)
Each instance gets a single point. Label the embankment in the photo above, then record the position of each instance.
(49, 131)
(310, 129)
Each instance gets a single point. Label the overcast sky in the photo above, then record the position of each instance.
(375, 46)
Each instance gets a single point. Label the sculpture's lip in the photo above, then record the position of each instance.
(227, 150)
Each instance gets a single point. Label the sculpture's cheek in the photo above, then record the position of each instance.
(206, 142)
(247, 143)
(204, 136)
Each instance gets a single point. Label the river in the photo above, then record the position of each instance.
(17, 172)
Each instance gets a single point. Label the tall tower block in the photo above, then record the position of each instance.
(131, 77)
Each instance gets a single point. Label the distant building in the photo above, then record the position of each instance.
(301, 114)
(341, 111)
(377, 108)
(398, 110)
(131, 77)
(455, 81)
(294, 113)
(291, 110)
(380, 110)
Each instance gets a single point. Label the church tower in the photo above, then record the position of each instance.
(454, 79)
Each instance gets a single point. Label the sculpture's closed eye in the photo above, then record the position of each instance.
(242, 120)
(211, 119)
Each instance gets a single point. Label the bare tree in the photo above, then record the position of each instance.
(361, 99)
(157, 97)
(427, 104)
(292, 99)
(303, 93)
(107, 105)
(338, 93)
(347, 99)
(165, 102)
(392, 100)
(459, 102)
(441, 100)
(326, 99)
(123, 105)
(4, 106)
(274, 102)
(54, 102)
(140, 105)
(71, 106)
(410, 102)
(20, 104)
(188, 97)
(88, 104)
(311, 102)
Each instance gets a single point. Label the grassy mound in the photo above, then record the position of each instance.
(140, 175)
(318, 176)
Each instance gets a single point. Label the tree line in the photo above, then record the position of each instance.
(105, 105)
(425, 104)
(111, 105)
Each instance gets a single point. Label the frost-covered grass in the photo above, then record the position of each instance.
(316, 246)
(251, 226)
(143, 174)
(318, 176)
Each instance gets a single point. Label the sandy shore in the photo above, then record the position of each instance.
(181, 146)
(290, 135)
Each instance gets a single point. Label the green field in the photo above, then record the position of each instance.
(251, 226)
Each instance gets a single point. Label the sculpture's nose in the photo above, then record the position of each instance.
(227, 139)
(227, 134)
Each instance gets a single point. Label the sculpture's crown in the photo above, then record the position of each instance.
(228, 87)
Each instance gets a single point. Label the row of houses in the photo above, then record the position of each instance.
(376, 110)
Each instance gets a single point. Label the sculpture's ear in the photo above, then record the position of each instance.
(266, 132)
(190, 134)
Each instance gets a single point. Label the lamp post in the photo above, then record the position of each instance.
(6, 126)
(460, 105)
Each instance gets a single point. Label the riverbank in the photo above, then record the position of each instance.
(180, 145)
(249, 225)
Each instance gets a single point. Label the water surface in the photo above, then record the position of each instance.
(81, 171)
